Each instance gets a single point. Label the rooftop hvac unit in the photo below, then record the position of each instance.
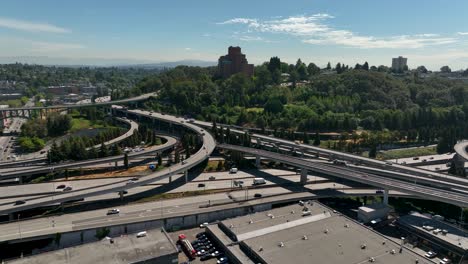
(304, 237)
(346, 225)
(281, 244)
(292, 212)
(372, 260)
(326, 231)
(363, 246)
(231, 226)
(250, 221)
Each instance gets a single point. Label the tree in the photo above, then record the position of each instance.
(273, 105)
(317, 139)
(116, 150)
(126, 161)
(220, 166)
(365, 66)
(159, 160)
(338, 68)
(445, 69)
(274, 64)
(313, 69)
(103, 151)
(328, 66)
(373, 151)
(421, 69)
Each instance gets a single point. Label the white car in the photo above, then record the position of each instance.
(430, 254)
(141, 234)
(204, 225)
(445, 261)
(113, 211)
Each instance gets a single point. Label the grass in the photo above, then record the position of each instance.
(406, 153)
(81, 123)
(213, 166)
(254, 109)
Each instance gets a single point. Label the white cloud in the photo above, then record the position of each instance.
(313, 30)
(462, 33)
(30, 26)
(207, 35)
(188, 49)
(45, 47)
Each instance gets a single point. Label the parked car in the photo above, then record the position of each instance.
(204, 225)
(141, 234)
(113, 211)
(61, 186)
(431, 254)
(20, 202)
(201, 185)
(379, 192)
(258, 195)
(68, 188)
(212, 178)
(445, 261)
(222, 260)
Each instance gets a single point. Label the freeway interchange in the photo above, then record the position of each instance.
(400, 180)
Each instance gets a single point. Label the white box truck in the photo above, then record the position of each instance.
(258, 181)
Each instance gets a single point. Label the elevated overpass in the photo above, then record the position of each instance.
(208, 145)
(385, 183)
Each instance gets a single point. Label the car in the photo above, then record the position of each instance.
(431, 254)
(19, 202)
(379, 192)
(258, 195)
(204, 225)
(141, 234)
(206, 257)
(134, 179)
(389, 163)
(416, 158)
(201, 252)
(212, 178)
(113, 211)
(201, 185)
(184, 162)
(200, 234)
(222, 260)
(123, 192)
(130, 182)
(61, 186)
(445, 261)
(68, 188)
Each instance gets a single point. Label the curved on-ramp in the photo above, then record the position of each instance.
(203, 153)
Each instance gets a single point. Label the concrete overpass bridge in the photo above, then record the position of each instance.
(385, 183)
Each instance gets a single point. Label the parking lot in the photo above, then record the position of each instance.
(191, 235)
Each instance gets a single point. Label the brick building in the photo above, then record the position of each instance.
(234, 62)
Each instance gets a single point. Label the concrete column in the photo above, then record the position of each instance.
(121, 195)
(303, 176)
(385, 197)
(257, 162)
(186, 176)
(170, 179)
(11, 217)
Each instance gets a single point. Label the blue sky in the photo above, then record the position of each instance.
(432, 33)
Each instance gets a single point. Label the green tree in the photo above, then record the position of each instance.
(317, 139)
(103, 151)
(126, 160)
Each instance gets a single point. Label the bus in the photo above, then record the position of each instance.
(187, 247)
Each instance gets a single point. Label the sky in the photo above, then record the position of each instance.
(431, 32)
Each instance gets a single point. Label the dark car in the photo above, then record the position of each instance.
(379, 192)
(61, 186)
(200, 234)
(20, 202)
(258, 195)
(68, 188)
(200, 185)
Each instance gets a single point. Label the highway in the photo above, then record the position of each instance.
(461, 148)
(203, 153)
(37, 157)
(122, 101)
(397, 169)
(365, 178)
(170, 143)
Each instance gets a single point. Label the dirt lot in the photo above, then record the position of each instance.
(191, 235)
(138, 170)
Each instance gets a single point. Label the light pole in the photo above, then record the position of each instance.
(19, 226)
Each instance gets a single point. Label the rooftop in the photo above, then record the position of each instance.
(455, 236)
(125, 249)
(324, 236)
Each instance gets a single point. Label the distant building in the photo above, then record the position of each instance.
(399, 64)
(234, 62)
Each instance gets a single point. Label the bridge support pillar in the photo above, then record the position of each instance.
(121, 195)
(170, 179)
(303, 176)
(11, 216)
(186, 176)
(257, 162)
(20, 178)
(385, 197)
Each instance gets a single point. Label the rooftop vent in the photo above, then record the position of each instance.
(383, 242)
(326, 231)
(250, 221)
(363, 246)
(292, 212)
(372, 260)
(260, 249)
(392, 252)
(231, 226)
(346, 225)
(304, 237)
(281, 244)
